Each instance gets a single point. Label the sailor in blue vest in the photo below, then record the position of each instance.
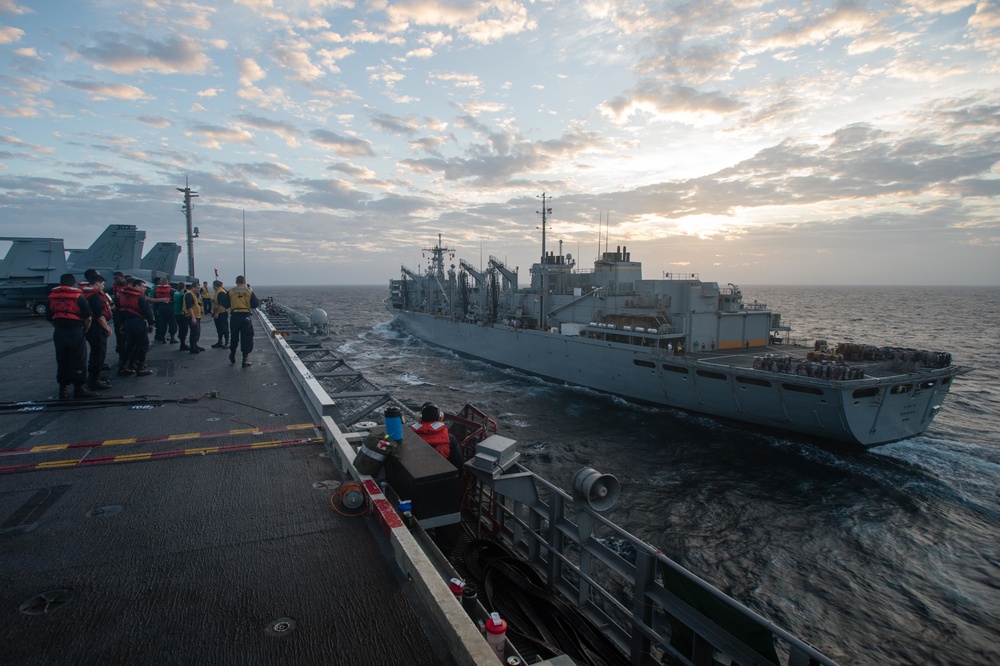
(69, 313)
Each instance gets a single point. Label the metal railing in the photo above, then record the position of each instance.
(653, 608)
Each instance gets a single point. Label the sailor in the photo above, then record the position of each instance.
(193, 311)
(165, 321)
(206, 298)
(241, 302)
(138, 317)
(70, 316)
(118, 284)
(179, 316)
(432, 430)
(100, 329)
(221, 316)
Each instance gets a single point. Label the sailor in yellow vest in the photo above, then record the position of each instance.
(221, 317)
(192, 310)
(241, 302)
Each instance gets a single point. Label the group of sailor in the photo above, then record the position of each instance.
(84, 317)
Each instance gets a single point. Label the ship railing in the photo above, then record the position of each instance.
(654, 610)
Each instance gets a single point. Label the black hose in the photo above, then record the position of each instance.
(533, 613)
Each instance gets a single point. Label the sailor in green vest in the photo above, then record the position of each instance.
(241, 302)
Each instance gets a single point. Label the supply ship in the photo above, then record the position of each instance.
(676, 341)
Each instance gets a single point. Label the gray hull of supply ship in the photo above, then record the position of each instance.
(676, 342)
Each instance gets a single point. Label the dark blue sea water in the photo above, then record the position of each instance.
(885, 556)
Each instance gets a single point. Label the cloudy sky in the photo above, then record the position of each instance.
(748, 141)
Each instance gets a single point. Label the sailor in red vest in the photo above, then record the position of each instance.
(163, 298)
(70, 316)
(138, 317)
(433, 431)
(100, 329)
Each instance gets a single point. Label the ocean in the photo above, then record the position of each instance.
(884, 556)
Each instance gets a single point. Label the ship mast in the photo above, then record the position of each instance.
(437, 258)
(546, 211)
(437, 272)
(192, 232)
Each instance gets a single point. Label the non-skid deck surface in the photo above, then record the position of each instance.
(207, 543)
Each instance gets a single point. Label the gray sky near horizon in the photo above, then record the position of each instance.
(747, 141)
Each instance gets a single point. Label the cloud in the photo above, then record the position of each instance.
(10, 35)
(457, 79)
(505, 156)
(394, 125)
(286, 131)
(671, 102)
(429, 144)
(331, 193)
(268, 170)
(358, 173)
(130, 53)
(99, 91)
(479, 22)
(385, 74)
(330, 57)
(155, 121)
(250, 71)
(845, 20)
(11, 7)
(297, 62)
(342, 145)
(214, 136)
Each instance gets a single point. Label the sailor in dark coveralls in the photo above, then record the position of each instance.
(241, 301)
(137, 314)
(118, 284)
(100, 329)
(70, 315)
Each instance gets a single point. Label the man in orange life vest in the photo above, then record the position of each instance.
(163, 296)
(433, 431)
(138, 317)
(70, 315)
(100, 329)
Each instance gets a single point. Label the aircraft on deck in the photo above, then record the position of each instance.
(32, 266)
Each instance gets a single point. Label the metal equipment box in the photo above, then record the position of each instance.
(417, 472)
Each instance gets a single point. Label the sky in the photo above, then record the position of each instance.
(747, 141)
